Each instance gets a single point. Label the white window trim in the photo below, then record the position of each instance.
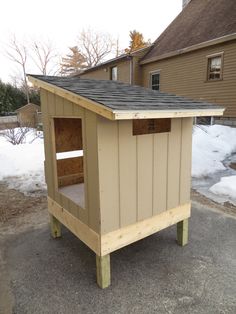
(150, 77)
(214, 55)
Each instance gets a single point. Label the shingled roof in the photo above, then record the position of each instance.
(199, 22)
(116, 100)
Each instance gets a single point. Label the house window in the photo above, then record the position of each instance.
(155, 81)
(114, 73)
(214, 68)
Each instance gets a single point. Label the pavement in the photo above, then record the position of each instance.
(154, 275)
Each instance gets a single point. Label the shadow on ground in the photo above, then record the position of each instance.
(153, 275)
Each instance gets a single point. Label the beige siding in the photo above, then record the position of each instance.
(103, 73)
(49, 175)
(127, 178)
(141, 176)
(137, 72)
(55, 106)
(186, 75)
(186, 160)
(144, 175)
(160, 172)
(128, 183)
(108, 159)
(173, 167)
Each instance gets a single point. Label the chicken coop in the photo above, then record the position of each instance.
(117, 161)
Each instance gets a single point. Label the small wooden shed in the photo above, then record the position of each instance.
(117, 161)
(28, 115)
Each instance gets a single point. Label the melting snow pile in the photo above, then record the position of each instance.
(22, 165)
(227, 187)
(211, 145)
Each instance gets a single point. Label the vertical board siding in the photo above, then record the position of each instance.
(128, 178)
(56, 106)
(128, 175)
(108, 159)
(160, 173)
(91, 157)
(174, 157)
(142, 176)
(83, 212)
(59, 106)
(68, 108)
(145, 175)
(186, 160)
(47, 142)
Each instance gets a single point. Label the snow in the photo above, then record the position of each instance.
(211, 146)
(214, 147)
(22, 166)
(226, 187)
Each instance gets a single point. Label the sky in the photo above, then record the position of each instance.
(62, 21)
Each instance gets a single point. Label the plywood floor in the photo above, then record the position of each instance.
(74, 192)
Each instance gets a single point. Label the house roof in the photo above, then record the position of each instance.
(200, 21)
(28, 107)
(116, 101)
(125, 56)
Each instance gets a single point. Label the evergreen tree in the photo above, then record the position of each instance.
(136, 41)
(12, 98)
(73, 63)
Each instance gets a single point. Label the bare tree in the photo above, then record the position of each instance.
(94, 46)
(18, 53)
(44, 56)
(16, 136)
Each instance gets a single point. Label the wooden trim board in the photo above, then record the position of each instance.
(77, 227)
(117, 239)
(112, 241)
(155, 114)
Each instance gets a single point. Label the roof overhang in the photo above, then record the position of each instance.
(205, 44)
(123, 114)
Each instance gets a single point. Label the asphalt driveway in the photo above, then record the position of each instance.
(155, 275)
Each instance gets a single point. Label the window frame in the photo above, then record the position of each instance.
(111, 68)
(212, 56)
(151, 74)
(54, 159)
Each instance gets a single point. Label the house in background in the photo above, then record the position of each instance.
(125, 68)
(194, 57)
(29, 115)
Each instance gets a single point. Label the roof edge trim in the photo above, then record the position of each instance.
(143, 114)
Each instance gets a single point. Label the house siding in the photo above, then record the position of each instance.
(103, 73)
(186, 75)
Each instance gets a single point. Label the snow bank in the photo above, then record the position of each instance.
(226, 186)
(22, 166)
(211, 145)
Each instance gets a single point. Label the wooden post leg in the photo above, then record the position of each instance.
(103, 271)
(182, 232)
(55, 227)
